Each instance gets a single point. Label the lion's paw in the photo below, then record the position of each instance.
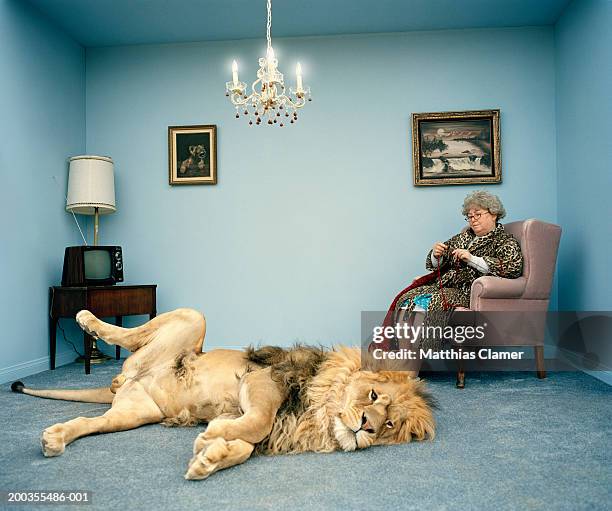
(201, 443)
(52, 441)
(87, 321)
(206, 461)
(219, 428)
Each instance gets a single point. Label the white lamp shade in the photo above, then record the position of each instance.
(91, 184)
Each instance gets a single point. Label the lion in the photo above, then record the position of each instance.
(267, 401)
(197, 153)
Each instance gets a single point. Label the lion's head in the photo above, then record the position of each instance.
(380, 408)
(337, 405)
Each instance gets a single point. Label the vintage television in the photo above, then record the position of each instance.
(92, 266)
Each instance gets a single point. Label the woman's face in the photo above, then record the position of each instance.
(481, 220)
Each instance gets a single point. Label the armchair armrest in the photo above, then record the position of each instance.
(419, 277)
(497, 287)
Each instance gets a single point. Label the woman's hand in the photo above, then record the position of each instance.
(439, 248)
(461, 254)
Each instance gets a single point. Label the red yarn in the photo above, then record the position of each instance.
(425, 279)
(445, 304)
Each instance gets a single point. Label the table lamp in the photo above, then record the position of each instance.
(91, 187)
(91, 191)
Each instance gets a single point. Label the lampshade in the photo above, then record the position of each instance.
(91, 184)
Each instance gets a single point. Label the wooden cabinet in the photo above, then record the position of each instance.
(103, 301)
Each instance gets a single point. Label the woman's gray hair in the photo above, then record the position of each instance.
(484, 200)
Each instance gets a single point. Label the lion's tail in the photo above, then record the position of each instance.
(99, 395)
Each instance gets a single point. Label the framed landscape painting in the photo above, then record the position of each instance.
(192, 155)
(456, 148)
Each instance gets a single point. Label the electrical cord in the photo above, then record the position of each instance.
(68, 340)
(73, 215)
(60, 326)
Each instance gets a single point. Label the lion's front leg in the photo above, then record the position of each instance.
(230, 441)
(260, 398)
(200, 442)
(216, 455)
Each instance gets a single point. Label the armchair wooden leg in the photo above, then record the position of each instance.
(460, 379)
(460, 375)
(539, 355)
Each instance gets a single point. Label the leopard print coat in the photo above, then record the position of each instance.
(499, 249)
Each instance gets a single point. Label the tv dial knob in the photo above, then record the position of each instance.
(118, 265)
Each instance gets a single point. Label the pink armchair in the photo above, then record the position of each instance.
(531, 292)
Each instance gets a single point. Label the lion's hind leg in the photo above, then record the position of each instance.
(184, 327)
(131, 408)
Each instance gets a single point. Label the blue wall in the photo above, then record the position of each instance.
(584, 111)
(583, 44)
(42, 100)
(309, 225)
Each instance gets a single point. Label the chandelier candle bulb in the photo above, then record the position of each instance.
(298, 71)
(235, 73)
(270, 58)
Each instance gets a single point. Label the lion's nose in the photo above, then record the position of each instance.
(365, 425)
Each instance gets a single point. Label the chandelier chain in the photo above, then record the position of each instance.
(269, 24)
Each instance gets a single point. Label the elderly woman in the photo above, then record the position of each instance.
(485, 248)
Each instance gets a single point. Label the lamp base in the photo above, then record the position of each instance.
(96, 356)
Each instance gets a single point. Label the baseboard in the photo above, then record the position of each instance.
(38, 365)
(604, 376)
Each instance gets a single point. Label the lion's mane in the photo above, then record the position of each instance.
(315, 380)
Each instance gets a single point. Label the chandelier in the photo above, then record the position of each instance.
(268, 100)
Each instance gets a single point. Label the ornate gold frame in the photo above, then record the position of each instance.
(467, 115)
(173, 177)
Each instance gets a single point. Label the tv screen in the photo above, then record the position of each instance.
(97, 264)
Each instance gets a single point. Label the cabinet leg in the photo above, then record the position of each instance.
(52, 341)
(118, 322)
(87, 342)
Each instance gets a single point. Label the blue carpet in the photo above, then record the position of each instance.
(508, 441)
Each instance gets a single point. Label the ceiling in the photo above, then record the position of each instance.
(124, 22)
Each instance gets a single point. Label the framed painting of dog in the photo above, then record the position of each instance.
(192, 155)
(456, 148)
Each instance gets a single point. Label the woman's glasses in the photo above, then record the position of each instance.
(474, 216)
